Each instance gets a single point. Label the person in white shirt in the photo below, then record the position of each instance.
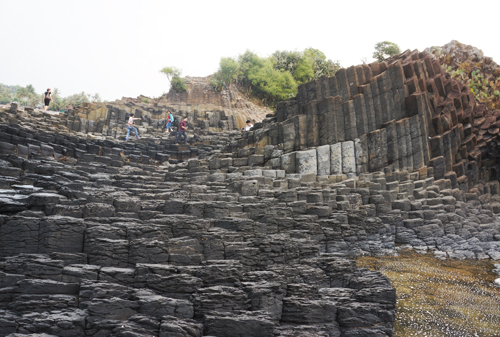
(249, 126)
(131, 127)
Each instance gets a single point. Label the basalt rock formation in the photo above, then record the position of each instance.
(200, 93)
(243, 233)
(404, 138)
(456, 54)
(97, 241)
(208, 110)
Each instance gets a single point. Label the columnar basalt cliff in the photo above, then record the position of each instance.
(199, 92)
(243, 233)
(400, 115)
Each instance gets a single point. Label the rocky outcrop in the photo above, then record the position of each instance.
(455, 54)
(105, 238)
(400, 115)
(244, 233)
(230, 99)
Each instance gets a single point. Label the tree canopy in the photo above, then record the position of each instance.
(274, 78)
(385, 50)
(174, 77)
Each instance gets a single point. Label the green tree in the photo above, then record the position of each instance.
(171, 72)
(179, 84)
(321, 65)
(287, 60)
(229, 68)
(30, 89)
(32, 98)
(22, 94)
(385, 50)
(76, 99)
(5, 94)
(248, 60)
(28, 96)
(305, 66)
(273, 78)
(95, 98)
(304, 71)
(228, 73)
(272, 85)
(57, 102)
(174, 77)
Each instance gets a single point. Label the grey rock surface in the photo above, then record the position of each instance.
(240, 234)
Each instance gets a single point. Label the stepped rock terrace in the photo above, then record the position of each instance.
(244, 233)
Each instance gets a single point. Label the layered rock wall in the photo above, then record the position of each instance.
(110, 119)
(230, 100)
(401, 115)
(97, 238)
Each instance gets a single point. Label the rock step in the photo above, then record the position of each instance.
(42, 144)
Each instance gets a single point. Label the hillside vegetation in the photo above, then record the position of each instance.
(274, 78)
(468, 65)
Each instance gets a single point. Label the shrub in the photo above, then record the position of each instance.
(272, 85)
(483, 85)
(485, 90)
(173, 75)
(179, 84)
(466, 66)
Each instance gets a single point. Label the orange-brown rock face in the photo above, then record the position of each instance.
(230, 100)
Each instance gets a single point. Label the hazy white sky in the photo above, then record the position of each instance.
(116, 48)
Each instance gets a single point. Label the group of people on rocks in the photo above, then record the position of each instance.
(170, 120)
(47, 98)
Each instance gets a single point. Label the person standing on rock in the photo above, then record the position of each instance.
(182, 131)
(47, 98)
(170, 121)
(131, 127)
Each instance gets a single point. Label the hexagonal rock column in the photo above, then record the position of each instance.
(348, 158)
(323, 156)
(288, 162)
(336, 159)
(306, 162)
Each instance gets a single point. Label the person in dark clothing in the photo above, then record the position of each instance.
(47, 97)
(182, 131)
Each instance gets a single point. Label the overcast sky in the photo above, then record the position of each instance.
(116, 48)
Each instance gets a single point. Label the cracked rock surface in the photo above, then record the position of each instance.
(244, 234)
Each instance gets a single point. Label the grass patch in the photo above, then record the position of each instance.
(441, 298)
